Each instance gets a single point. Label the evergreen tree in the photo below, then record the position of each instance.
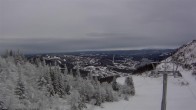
(129, 83)
(71, 72)
(65, 70)
(55, 82)
(78, 71)
(44, 63)
(67, 88)
(45, 80)
(20, 88)
(89, 90)
(75, 101)
(115, 85)
(49, 86)
(96, 81)
(110, 94)
(58, 82)
(97, 94)
(86, 90)
(61, 84)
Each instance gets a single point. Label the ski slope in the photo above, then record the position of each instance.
(149, 94)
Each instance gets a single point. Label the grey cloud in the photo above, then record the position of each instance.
(68, 25)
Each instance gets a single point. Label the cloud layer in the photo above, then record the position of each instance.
(69, 25)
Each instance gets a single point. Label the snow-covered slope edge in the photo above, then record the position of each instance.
(186, 54)
(184, 59)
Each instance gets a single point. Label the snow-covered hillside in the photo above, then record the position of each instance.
(184, 59)
(186, 54)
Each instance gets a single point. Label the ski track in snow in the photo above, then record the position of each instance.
(149, 94)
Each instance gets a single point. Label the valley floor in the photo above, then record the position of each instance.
(149, 94)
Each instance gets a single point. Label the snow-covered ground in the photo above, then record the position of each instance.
(149, 94)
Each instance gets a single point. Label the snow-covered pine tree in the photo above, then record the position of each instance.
(67, 88)
(71, 72)
(62, 86)
(90, 75)
(89, 90)
(115, 85)
(96, 81)
(41, 78)
(66, 80)
(44, 62)
(20, 88)
(75, 101)
(129, 83)
(58, 82)
(78, 75)
(65, 70)
(55, 82)
(44, 80)
(49, 86)
(97, 94)
(110, 94)
(37, 62)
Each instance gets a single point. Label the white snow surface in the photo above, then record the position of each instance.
(149, 94)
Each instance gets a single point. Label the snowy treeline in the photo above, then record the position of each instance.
(25, 85)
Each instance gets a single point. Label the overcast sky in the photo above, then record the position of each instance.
(71, 25)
